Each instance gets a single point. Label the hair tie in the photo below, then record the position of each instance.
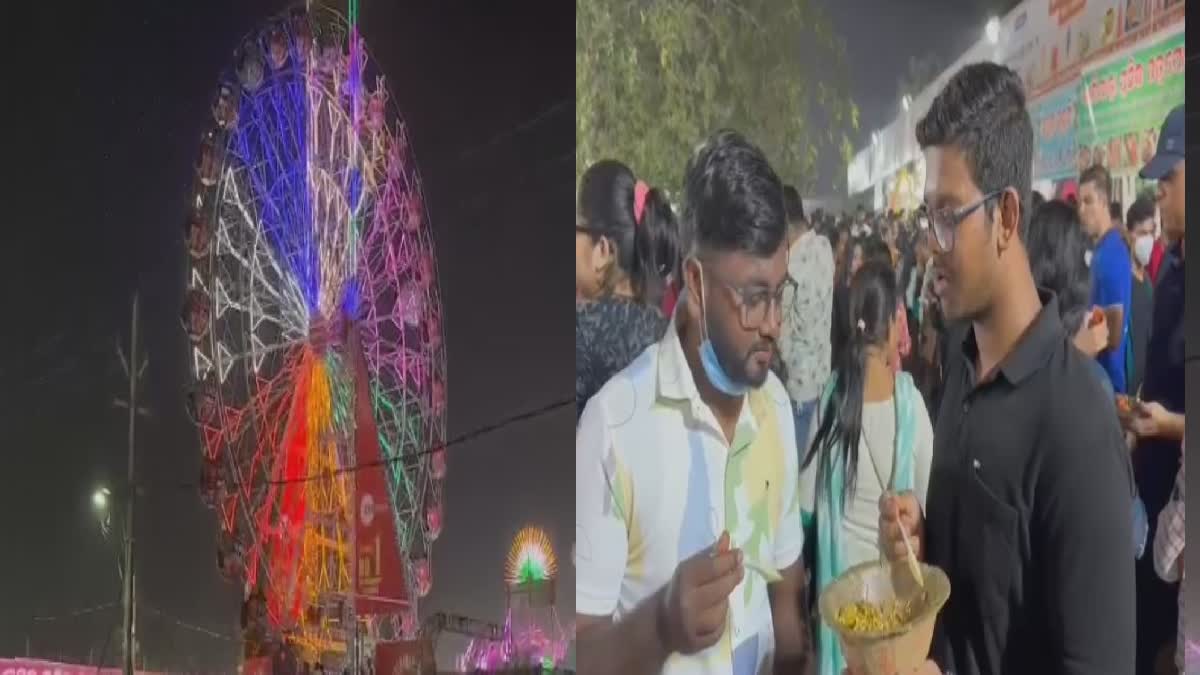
(640, 190)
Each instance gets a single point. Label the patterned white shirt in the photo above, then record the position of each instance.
(656, 483)
(804, 343)
(1168, 551)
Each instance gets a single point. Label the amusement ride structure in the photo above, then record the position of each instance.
(315, 322)
(531, 635)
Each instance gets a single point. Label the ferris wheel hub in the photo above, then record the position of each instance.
(324, 333)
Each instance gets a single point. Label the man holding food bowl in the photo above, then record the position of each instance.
(1030, 495)
(688, 535)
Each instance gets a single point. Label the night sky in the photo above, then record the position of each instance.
(882, 35)
(105, 111)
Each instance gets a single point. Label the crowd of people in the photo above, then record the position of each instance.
(767, 398)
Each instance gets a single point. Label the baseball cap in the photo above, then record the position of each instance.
(1170, 147)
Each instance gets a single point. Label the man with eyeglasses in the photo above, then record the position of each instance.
(1030, 495)
(688, 535)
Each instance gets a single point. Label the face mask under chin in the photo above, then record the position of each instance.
(716, 374)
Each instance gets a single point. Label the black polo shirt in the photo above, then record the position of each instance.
(1029, 512)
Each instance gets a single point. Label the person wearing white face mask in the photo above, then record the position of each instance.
(1140, 222)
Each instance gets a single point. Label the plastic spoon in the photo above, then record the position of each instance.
(771, 575)
(913, 565)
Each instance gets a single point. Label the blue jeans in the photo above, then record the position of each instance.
(803, 414)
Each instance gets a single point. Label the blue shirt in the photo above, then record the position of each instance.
(1112, 284)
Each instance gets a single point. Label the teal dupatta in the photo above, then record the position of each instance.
(827, 521)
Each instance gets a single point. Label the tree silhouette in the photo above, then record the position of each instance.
(655, 77)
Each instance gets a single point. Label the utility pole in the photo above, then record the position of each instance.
(133, 369)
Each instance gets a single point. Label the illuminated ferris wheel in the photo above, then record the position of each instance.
(315, 323)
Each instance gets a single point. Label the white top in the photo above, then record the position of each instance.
(656, 483)
(804, 340)
(876, 455)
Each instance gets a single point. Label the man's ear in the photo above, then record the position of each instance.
(604, 255)
(1008, 219)
(692, 280)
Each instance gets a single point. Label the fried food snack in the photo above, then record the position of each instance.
(867, 617)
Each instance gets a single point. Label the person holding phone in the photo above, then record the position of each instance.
(1158, 414)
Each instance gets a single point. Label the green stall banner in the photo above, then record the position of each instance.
(1122, 105)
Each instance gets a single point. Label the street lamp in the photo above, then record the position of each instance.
(101, 504)
(100, 499)
(992, 31)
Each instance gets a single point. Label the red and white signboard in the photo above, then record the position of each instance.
(379, 574)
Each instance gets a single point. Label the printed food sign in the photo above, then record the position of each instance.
(1122, 105)
(1054, 151)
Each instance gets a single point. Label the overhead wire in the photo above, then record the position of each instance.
(184, 624)
(452, 442)
(77, 612)
(541, 117)
(457, 440)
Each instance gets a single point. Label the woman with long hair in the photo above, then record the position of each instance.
(853, 256)
(627, 256)
(1055, 245)
(875, 249)
(872, 436)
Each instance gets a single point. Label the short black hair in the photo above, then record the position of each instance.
(793, 205)
(875, 249)
(981, 111)
(733, 200)
(1056, 245)
(1140, 210)
(1114, 211)
(1097, 175)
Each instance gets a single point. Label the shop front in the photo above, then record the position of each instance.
(1122, 104)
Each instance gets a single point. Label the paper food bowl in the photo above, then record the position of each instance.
(886, 652)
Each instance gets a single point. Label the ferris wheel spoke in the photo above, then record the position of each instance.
(286, 291)
(270, 174)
